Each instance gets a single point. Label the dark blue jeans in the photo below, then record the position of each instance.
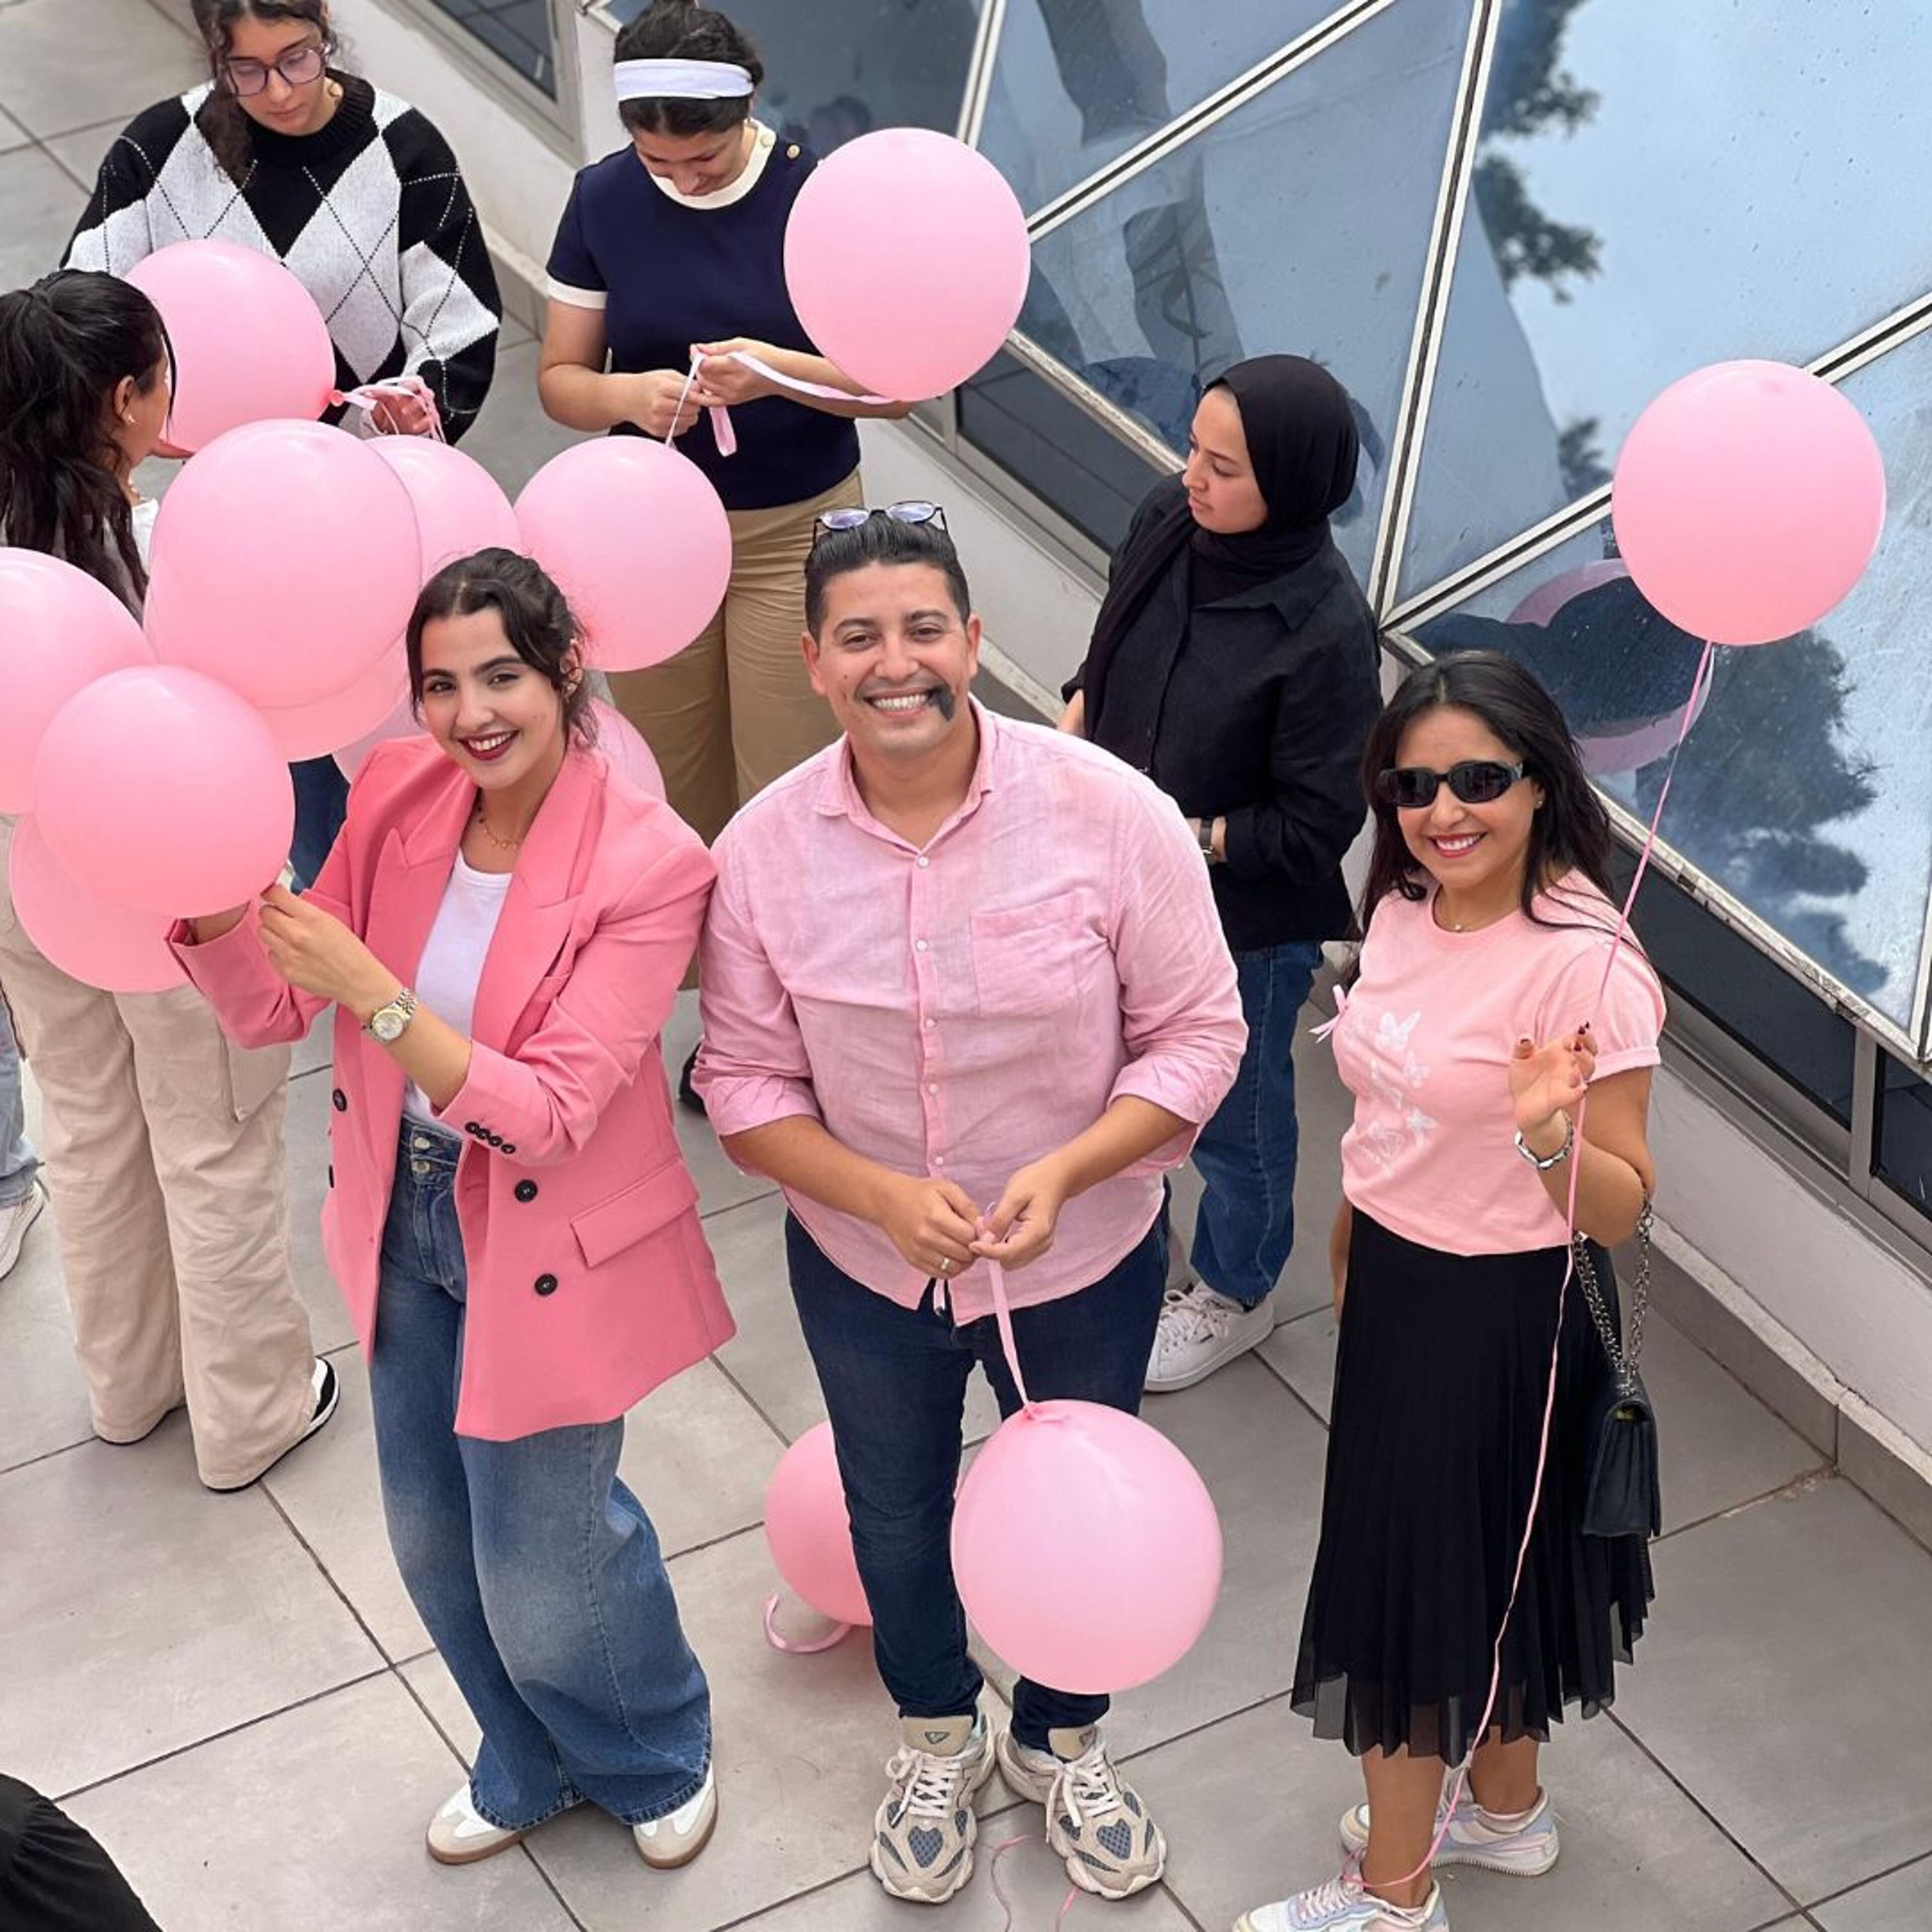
(1245, 1155)
(536, 1571)
(321, 799)
(894, 1380)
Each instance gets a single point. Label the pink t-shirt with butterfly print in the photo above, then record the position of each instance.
(1424, 1043)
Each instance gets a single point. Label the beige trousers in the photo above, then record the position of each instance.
(163, 1146)
(733, 710)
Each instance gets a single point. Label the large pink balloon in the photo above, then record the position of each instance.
(316, 730)
(59, 629)
(624, 749)
(1748, 499)
(249, 341)
(811, 1538)
(906, 257)
(286, 563)
(89, 938)
(637, 541)
(459, 509)
(162, 789)
(1087, 1549)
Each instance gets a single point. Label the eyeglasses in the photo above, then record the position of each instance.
(1475, 781)
(297, 67)
(852, 517)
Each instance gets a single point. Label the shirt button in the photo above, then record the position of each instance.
(930, 1025)
(938, 1160)
(545, 1284)
(931, 1088)
(919, 946)
(526, 1190)
(339, 1101)
(923, 862)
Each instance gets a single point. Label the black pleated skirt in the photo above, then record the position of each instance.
(1440, 1381)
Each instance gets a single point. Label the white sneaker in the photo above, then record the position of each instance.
(1342, 1905)
(679, 1836)
(14, 1222)
(1095, 1820)
(460, 1835)
(1524, 1847)
(1200, 1330)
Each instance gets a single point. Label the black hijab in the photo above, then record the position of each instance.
(1303, 445)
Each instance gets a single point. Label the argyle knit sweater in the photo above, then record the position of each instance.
(370, 213)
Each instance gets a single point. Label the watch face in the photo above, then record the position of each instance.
(388, 1024)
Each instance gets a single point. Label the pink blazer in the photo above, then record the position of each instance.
(589, 1278)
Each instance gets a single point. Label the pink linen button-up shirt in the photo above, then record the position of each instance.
(961, 1010)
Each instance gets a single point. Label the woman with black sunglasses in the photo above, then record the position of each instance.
(351, 190)
(1489, 997)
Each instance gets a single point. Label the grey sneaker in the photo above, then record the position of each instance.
(1095, 1820)
(922, 1837)
(1524, 1847)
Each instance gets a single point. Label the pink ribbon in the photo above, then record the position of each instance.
(370, 394)
(790, 1646)
(722, 433)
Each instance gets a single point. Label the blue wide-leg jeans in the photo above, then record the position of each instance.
(536, 1570)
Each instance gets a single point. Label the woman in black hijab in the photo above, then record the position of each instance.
(1235, 661)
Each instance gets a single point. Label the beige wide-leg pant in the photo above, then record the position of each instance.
(733, 710)
(164, 1146)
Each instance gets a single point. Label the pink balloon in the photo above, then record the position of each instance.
(1086, 1548)
(908, 259)
(344, 717)
(59, 629)
(89, 938)
(401, 722)
(249, 341)
(811, 1536)
(1546, 599)
(637, 541)
(1748, 499)
(286, 563)
(459, 509)
(162, 789)
(624, 749)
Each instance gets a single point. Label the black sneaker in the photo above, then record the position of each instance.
(687, 1095)
(328, 1392)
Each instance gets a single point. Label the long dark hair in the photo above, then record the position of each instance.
(65, 345)
(678, 30)
(535, 619)
(224, 122)
(1571, 831)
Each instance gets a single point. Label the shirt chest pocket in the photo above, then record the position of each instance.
(1026, 958)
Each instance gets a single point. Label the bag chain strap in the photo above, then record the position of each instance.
(1623, 1360)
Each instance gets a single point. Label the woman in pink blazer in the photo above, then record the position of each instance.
(502, 927)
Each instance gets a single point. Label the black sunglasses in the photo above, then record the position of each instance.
(853, 517)
(1475, 781)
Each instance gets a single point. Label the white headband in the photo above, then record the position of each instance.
(680, 80)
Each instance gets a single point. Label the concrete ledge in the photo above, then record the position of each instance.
(1885, 1462)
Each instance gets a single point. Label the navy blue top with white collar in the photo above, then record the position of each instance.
(671, 273)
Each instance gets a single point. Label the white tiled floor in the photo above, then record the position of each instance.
(235, 1693)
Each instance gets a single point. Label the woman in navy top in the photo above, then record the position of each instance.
(674, 244)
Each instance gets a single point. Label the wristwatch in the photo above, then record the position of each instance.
(1207, 851)
(387, 1023)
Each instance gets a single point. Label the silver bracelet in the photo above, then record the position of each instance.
(1537, 1160)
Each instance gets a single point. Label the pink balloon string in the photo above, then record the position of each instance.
(1699, 693)
(371, 394)
(792, 1646)
(1000, 1851)
(1003, 1315)
(723, 433)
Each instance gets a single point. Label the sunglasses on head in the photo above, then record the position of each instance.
(852, 517)
(1474, 780)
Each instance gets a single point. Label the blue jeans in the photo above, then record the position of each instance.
(894, 1380)
(1246, 1154)
(536, 1570)
(322, 799)
(19, 1163)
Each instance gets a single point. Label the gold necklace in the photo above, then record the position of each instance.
(501, 844)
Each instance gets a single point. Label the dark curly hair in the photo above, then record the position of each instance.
(66, 344)
(535, 618)
(222, 120)
(677, 30)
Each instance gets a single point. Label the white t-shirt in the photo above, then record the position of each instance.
(452, 957)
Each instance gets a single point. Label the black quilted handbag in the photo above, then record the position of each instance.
(1623, 1495)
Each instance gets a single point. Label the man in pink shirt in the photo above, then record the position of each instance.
(965, 997)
